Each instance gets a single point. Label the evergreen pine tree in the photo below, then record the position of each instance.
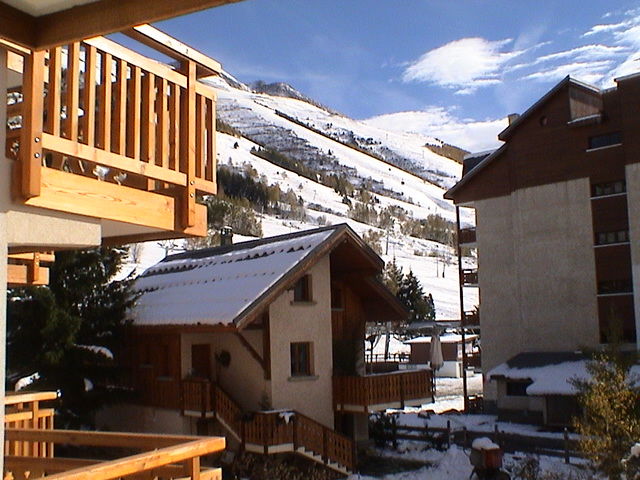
(65, 331)
(412, 296)
(392, 276)
(610, 422)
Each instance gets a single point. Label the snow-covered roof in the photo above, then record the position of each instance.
(444, 338)
(550, 373)
(220, 285)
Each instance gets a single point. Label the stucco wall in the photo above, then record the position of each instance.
(243, 379)
(536, 272)
(297, 322)
(633, 208)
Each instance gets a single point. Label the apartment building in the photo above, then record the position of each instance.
(558, 250)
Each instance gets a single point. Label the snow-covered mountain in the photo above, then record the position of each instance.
(399, 168)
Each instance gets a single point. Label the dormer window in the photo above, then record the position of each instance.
(302, 290)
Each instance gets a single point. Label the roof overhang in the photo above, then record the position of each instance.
(41, 24)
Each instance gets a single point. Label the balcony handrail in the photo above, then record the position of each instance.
(167, 450)
(97, 109)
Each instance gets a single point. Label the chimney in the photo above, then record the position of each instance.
(226, 236)
(512, 117)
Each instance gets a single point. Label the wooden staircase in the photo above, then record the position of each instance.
(270, 432)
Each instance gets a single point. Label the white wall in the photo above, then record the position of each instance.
(243, 379)
(633, 209)
(536, 272)
(295, 322)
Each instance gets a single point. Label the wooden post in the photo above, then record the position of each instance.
(188, 144)
(32, 119)
(193, 468)
(567, 457)
(295, 432)
(496, 434)
(448, 434)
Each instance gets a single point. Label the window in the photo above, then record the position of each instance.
(607, 287)
(301, 359)
(608, 188)
(302, 290)
(607, 238)
(599, 141)
(517, 388)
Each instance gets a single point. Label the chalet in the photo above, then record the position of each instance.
(558, 254)
(264, 341)
(101, 144)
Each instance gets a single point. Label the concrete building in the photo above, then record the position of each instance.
(558, 257)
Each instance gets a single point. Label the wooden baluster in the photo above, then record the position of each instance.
(73, 92)
(133, 113)
(53, 95)
(105, 98)
(174, 127)
(120, 114)
(89, 100)
(148, 122)
(188, 145)
(210, 170)
(32, 124)
(200, 135)
(162, 127)
(192, 468)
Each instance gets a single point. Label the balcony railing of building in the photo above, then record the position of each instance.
(468, 236)
(27, 268)
(99, 130)
(29, 450)
(272, 431)
(372, 393)
(470, 277)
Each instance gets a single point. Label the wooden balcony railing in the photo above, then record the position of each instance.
(30, 439)
(378, 392)
(99, 130)
(26, 269)
(467, 236)
(470, 277)
(272, 431)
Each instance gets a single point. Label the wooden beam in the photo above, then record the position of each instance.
(188, 144)
(71, 193)
(173, 48)
(105, 16)
(17, 26)
(20, 276)
(45, 257)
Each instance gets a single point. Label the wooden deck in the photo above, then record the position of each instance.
(29, 450)
(98, 130)
(372, 393)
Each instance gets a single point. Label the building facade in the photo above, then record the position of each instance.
(558, 250)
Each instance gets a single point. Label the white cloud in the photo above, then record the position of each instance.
(465, 64)
(589, 72)
(598, 29)
(442, 123)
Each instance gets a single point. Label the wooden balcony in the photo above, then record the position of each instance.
(30, 441)
(98, 130)
(372, 393)
(470, 277)
(468, 236)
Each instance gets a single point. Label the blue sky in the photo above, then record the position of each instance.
(460, 66)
